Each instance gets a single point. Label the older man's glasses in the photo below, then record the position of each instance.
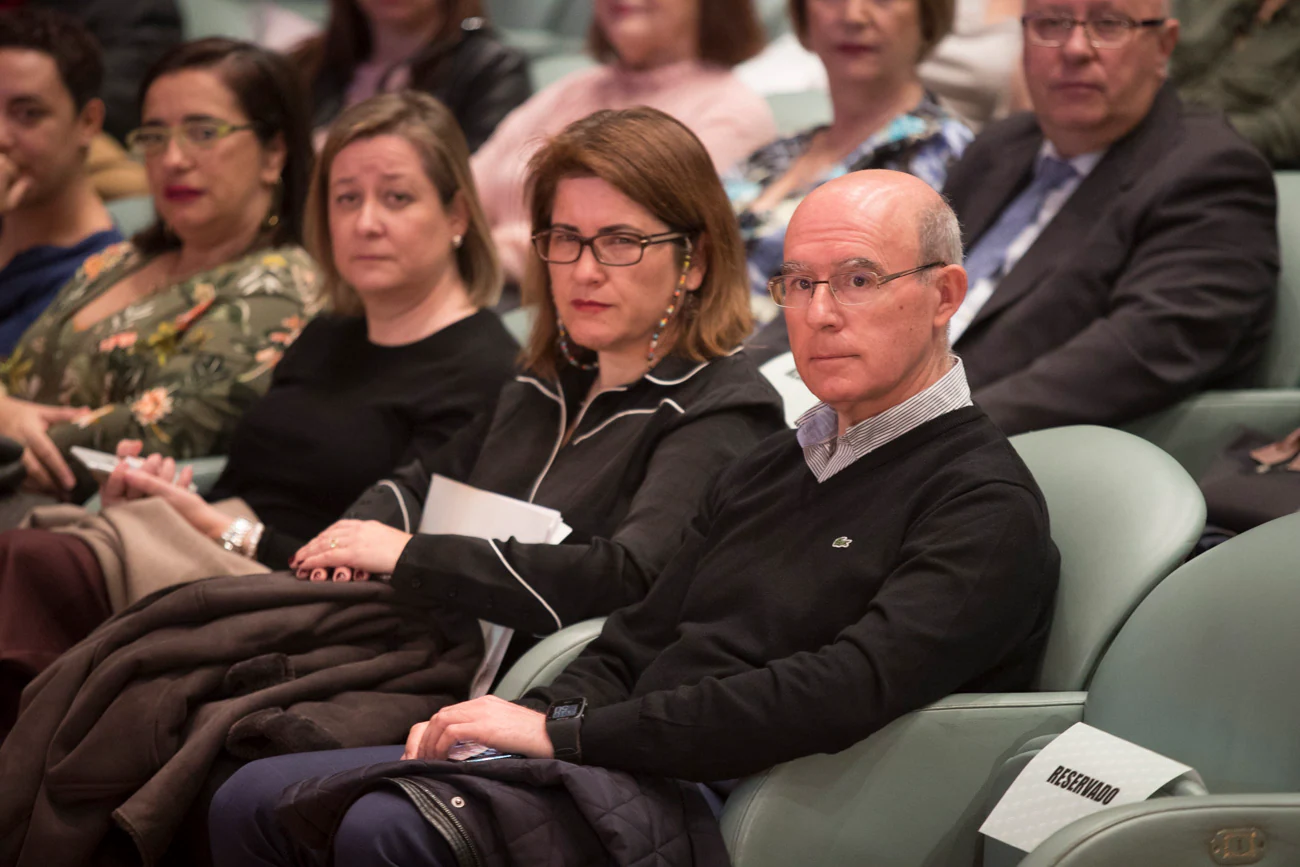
(563, 247)
(847, 287)
(1110, 30)
(202, 133)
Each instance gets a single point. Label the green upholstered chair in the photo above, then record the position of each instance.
(1204, 672)
(912, 795)
(131, 214)
(234, 18)
(1195, 430)
(1181, 832)
(1124, 514)
(541, 28)
(545, 660)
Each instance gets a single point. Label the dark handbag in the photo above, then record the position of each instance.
(1254, 480)
(12, 471)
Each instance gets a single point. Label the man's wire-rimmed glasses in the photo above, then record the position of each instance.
(620, 248)
(849, 287)
(1109, 30)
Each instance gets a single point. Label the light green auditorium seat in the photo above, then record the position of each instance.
(131, 214)
(1181, 832)
(1205, 672)
(541, 28)
(1123, 515)
(1195, 430)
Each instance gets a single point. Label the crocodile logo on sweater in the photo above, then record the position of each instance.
(842, 542)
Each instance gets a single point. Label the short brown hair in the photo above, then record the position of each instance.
(433, 132)
(730, 33)
(658, 163)
(936, 22)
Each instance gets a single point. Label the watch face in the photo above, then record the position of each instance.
(565, 711)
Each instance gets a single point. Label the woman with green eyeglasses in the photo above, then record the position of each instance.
(169, 337)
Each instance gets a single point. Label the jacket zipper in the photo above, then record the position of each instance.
(559, 440)
(444, 821)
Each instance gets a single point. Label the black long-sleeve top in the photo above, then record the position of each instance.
(627, 479)
(800, 617)
(342, 412)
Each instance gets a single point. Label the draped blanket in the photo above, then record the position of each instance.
(120, 733)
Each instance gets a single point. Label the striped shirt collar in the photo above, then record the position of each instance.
(826, 453)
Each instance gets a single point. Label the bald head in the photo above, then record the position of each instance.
(892, 197)
(888, 246)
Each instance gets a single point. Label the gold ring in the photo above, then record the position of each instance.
(334, 543)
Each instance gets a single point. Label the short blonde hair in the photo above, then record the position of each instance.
(936, 22)
(433, 132)
(658, 163)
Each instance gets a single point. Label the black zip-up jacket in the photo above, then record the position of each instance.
(479, 79)
(629, 478)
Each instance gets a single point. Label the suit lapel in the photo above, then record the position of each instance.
(1086, 206)
(1008, 176)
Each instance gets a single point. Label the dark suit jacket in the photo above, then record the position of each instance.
(1156, 279)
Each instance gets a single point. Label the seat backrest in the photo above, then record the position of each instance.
(1124, 514)
(1207, 669)
(547, 658)
(796, 399)
(1280, 366)
(234, 18)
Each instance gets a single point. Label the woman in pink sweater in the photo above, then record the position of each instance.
(673, 55)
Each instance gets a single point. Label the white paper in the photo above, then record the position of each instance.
(1082, 771)
(797, 399)
(454, 508)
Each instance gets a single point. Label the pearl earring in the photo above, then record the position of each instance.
(455, 241)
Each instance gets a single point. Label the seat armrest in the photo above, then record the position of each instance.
(1180, 831)
(1196, 430)
(911, 795)
(547, 658)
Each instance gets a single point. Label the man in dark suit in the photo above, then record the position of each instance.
(1121, 247)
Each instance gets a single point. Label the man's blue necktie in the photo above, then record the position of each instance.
(986, 258)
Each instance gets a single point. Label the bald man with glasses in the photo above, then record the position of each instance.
(1121, 246)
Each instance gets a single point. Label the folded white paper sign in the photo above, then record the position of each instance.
(1081, 771)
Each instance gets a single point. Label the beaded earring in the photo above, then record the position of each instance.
(672, 306)
(564, 345)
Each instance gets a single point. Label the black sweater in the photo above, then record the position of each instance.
(629, 478)
(800, 617)
(342, 412)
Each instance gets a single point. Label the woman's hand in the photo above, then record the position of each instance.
(116, 489)
(145, 483)
(351, 551)
(28, 423)
(490, 721)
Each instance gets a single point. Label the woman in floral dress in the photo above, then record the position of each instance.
(170, 337)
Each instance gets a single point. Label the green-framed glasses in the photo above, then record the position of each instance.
(201, 133)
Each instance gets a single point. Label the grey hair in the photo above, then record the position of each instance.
(940, 234)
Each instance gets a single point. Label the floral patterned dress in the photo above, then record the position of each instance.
(923, 142)
(176, 369)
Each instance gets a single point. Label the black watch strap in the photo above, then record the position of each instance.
(564, 728)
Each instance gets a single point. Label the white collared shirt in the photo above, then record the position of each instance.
(826, 453)
(981, 291)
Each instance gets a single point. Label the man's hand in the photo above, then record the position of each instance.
(13, 184)
(28, 423)
(352, 551)
(493, 722)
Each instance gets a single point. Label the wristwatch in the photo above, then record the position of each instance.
(564, 727)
